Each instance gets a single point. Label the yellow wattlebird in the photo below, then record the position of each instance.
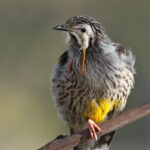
(92, 80)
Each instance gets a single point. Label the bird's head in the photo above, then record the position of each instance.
(82, 31)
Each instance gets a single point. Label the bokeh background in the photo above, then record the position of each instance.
(28, 50)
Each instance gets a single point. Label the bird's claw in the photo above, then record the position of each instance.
(93, 128)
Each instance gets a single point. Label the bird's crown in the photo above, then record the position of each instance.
(75, 20)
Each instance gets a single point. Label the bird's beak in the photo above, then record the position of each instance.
(83, 62)
(61, 28)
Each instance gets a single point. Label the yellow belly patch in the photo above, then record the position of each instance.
(97, 110)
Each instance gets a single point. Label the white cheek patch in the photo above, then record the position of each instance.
(86, 36)
(89, 30)
(85, 42)
(82, 38)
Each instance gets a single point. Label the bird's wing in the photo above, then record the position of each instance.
(62, 83)
(126, 56)
(63, 58)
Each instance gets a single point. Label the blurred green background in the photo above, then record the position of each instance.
(28, 50)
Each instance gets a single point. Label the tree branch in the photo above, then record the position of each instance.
(67, 142)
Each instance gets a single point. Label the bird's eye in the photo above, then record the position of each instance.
(83, 30)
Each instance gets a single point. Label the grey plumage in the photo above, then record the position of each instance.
(109, 70)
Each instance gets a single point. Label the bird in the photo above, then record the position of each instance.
(91, 80)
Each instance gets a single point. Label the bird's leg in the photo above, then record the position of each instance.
(93, 128)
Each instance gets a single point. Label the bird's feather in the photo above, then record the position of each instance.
(105, 87)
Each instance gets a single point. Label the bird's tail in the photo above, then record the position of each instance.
(104, 142)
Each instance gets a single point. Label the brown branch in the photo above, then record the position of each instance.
(117, 122)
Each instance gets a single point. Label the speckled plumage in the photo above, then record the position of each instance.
(109, 70)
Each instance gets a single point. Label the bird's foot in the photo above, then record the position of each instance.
(93, 128)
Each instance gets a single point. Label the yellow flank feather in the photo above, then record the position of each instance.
(97, 110)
